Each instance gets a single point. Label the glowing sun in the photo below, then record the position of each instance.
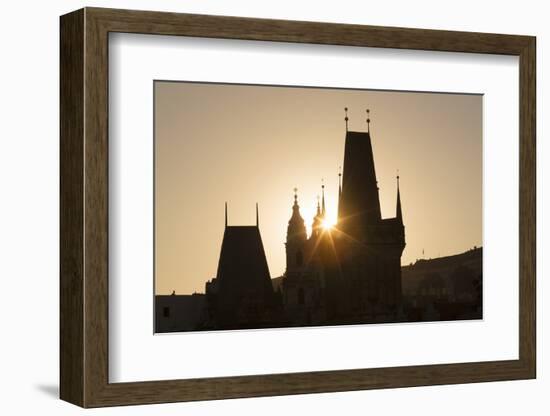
(326, 224)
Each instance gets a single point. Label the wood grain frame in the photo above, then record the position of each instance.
(84, 207)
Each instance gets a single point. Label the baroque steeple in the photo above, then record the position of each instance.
(296, 237)
(296, 227)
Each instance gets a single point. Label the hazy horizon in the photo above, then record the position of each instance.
(246, 144)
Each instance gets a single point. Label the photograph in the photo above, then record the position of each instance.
(290, 206)
(274, 203)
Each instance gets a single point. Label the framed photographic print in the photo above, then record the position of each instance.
(256, 207)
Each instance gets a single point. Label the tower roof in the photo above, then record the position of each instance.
(359, 201)
(244, 296)
(243, 266)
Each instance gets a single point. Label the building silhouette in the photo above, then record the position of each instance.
(241, 295)
(349, 273)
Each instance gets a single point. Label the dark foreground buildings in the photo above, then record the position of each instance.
(346, 274)
(241, 295)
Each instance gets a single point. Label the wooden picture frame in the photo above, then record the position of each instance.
(84, 207)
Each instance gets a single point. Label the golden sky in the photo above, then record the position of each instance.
(246, 144)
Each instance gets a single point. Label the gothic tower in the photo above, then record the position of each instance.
(370, 246)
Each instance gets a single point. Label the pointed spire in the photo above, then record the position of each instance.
(339, 182)
(346, 118)
(323, 209)
(226, 215)
(296, 208)
(339, 192)
(368, 120)
(257, 216)
(317, 220)
(318, 206)
(399, 214)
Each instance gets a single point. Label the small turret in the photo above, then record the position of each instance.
(317, 225)
(398, 212)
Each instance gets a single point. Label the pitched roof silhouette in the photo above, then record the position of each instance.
(243, 266)
(245, 296)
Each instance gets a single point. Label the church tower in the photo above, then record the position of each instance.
(296, 237)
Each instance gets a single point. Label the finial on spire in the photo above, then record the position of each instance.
(346, 111)
(323, 210)
(257, 216)
(226, 214)
(368, 120)
(295, 196)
